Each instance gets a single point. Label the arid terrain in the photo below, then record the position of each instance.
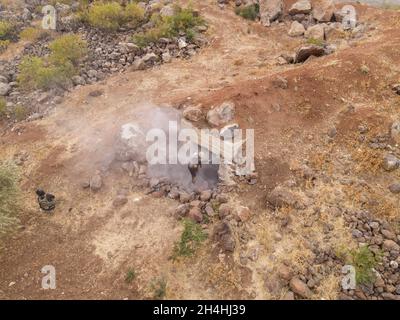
(324, 193)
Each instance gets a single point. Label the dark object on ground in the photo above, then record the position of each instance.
(194, 166)
(46, 201)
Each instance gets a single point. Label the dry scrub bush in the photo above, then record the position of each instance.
(56, 71)
(111, 16)
(9, 198)
(184, 21)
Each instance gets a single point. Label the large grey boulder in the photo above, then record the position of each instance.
(296, 29)
(270, 10)
(299, 7)
(323, 10)
(5, 89)
(316, 32)
(221, 114)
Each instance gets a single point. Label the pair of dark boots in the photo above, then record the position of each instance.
(47, 201)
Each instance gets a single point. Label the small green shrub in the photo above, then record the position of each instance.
(110, 16)
(106, 16)
(364, 260)
(68, 48)
(57, 70)
(249, 12)
(130, 276)
(6, 30)
(20, 112)
(183, 21)
(134, 14)
(9, 198)
(6, 34)
(32, 34)
(191, 238)
(159, 287)
(4, 45)
(3, 107)
(316, 42)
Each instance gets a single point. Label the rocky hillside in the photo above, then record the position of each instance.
(318, 84)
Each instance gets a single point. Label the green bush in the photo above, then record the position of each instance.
(249, 12)
(9, 198)
(159, 287)
(32, 34)
(4, 45)
(3, 106)
(111, 16)
(183, 21)
(317, 42)
(130, 276)
(191, 238)
(6, 34)
(6, 30)
(105, 16)
(364, 260)
(57, 70)
(134, 14)
(68, 48)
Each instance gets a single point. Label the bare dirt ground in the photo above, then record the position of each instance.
(93, 245)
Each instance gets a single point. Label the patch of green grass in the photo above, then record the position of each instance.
(130, 276)
(159, 288)
(191, 239)
(9, 198)
(317, 42)
(249, 12)
(364, 260)
(183, 21)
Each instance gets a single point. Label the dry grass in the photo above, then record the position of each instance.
(367, 160)
(328, 289)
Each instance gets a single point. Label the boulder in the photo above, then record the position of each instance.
(323, 10)
(296, 29)
(395, 131)
(303, 53)
(302, 6)
(281, 197)
(243, 214)
(195, 214)
(316, 32)
(120, 201)
(224, 210)
(223, 234)
(221, 114)
(5, 89)
(193, 113)
(390, 162)
(131, 143)
(167, 11)
(300, 288)
(96, 182)
(182, 210)
(390, 245)
(394, 188)
(270, 10)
